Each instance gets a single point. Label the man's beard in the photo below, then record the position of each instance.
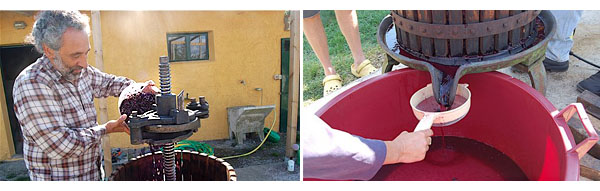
(68, 73)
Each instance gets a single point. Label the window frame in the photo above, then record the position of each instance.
(188, 47)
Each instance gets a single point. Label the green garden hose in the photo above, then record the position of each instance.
(195, 146)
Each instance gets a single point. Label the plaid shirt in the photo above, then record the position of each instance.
(61, 138)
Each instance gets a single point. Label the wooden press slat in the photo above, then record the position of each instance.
(184, 166)
(398, 31)
(160, 167)
(212, 168)
(398, 35)
(222, 171)
(515, 34)
(487, 42)
(532, 28)
(502, 38)
(131, 173)
(426, 43)
(208, 172)
(403, 34)
(472, 44)
(456, 45)
(440, 45)
(197, 166)
(203, 162)
(178, 173)
(412, 39)
(526, 29)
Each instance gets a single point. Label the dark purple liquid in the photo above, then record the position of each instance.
(448, 73)
(157, 165)
(443, 138)
(460, 159)
(430, 105)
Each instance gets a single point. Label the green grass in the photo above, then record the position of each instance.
(340, 55)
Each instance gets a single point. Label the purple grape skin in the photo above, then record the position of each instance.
(140, 102)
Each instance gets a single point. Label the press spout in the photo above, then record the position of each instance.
(444, 86)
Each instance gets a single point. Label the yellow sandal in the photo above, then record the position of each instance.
(365, 68)
(331, 83)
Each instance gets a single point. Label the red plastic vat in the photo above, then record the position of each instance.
(505, 114)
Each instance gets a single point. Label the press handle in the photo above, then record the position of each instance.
(426, 122)
(585, 145)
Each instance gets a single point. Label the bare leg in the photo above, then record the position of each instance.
(315, 34)
(348, 22)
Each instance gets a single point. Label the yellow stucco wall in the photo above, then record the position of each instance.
(246, 46)
(8, 34)
(243, 46)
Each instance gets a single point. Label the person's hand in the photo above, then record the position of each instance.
(119, 125)
(408, 147)
(150, 87)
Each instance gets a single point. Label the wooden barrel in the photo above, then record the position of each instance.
(459, 34)
(191, 166)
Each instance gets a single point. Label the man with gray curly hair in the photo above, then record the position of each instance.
(53, 100)
(47, 36)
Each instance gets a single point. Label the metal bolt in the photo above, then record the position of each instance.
(504, 25)
(165, 75)
(401, 23)
(169, 162)
(424, 31)
(410, 27)
(489, 29)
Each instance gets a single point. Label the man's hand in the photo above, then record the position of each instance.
(150, 87)
(115, 126)
(408, 147)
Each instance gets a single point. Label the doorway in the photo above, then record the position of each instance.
(13, 60)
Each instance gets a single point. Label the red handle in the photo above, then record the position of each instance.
(589, 142)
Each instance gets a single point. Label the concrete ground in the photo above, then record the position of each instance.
(267, 164)
(13, 170)
(271, 172)
(561, 87)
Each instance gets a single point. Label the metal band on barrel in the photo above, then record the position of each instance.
(464, 31)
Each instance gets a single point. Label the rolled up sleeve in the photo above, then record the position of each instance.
(104, 85)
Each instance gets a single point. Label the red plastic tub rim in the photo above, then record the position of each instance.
(568, 170)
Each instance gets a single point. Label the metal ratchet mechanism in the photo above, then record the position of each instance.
(169, 121)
